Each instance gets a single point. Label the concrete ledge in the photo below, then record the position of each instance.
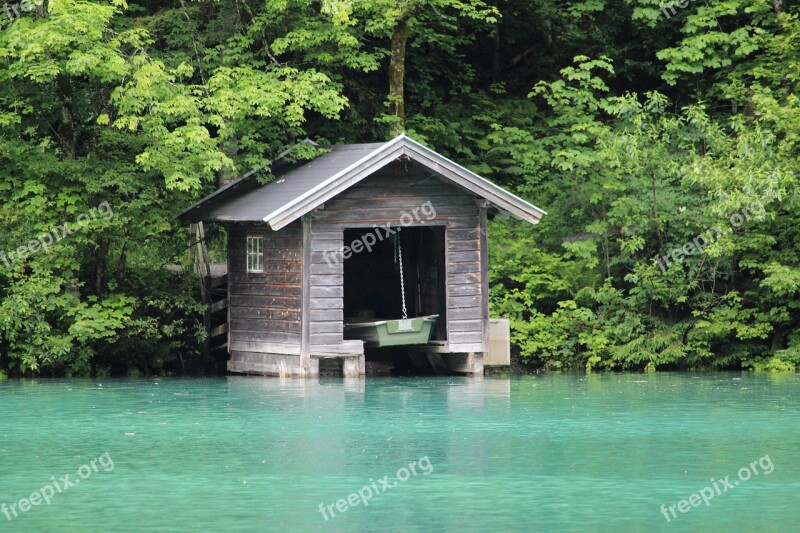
(354, 367)
(266, 364)
(466, 363)
(281, 365)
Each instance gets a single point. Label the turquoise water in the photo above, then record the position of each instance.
(537, 453)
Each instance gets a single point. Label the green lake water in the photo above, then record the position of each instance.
(536, 453)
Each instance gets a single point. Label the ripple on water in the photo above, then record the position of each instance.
(547, 452)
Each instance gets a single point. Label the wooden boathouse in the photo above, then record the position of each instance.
(362, 235)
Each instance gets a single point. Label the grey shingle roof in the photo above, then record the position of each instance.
(300, 189)
(243, 200)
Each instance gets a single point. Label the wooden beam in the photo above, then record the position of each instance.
(484, 255)
(265, 347)
(305, 301)
(439, 347)
(334, 355)
(218, 330)
(219, 305)
(353, 347)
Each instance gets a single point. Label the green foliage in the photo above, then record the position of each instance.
(637, 133)
(638, 184)
(130, 109)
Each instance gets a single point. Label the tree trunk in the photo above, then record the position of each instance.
(496, 52)
(397, 68)
(225, 175)
(66, 129)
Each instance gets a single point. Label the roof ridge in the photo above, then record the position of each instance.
(303, 187)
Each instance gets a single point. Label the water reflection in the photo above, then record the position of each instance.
(535, 453)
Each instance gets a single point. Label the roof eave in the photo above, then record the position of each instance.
(233, 184)
(403, 145)
(336, 184)
(245, 178)
(466, 178)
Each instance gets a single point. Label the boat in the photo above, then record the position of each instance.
(399, 332)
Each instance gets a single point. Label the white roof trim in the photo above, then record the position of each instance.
(492, 192)
(402, 145)
(276, 215)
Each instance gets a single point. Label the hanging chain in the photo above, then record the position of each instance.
(398, 252)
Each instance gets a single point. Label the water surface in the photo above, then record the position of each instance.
(537, 453)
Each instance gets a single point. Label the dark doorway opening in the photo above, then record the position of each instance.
(372, 288)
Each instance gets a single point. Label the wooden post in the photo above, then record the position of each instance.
(305, 311)
(482, 227)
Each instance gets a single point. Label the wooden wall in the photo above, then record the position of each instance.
(266, 307)
(266, 310)
(384, 198)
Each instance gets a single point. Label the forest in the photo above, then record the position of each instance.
(662, 138)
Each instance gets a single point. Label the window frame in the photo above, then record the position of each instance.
(254, 253)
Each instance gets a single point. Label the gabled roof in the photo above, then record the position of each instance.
(301, 189)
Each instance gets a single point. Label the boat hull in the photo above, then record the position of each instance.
(401, 332)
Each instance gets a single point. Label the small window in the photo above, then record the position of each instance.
(255, 253)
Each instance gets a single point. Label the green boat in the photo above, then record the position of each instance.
(401, 332)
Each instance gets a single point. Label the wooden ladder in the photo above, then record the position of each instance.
(213, 290)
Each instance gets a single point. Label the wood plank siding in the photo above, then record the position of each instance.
(266, 307)
(389, 196)
(284, 320)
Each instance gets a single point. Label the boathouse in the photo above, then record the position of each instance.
(367, 245)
